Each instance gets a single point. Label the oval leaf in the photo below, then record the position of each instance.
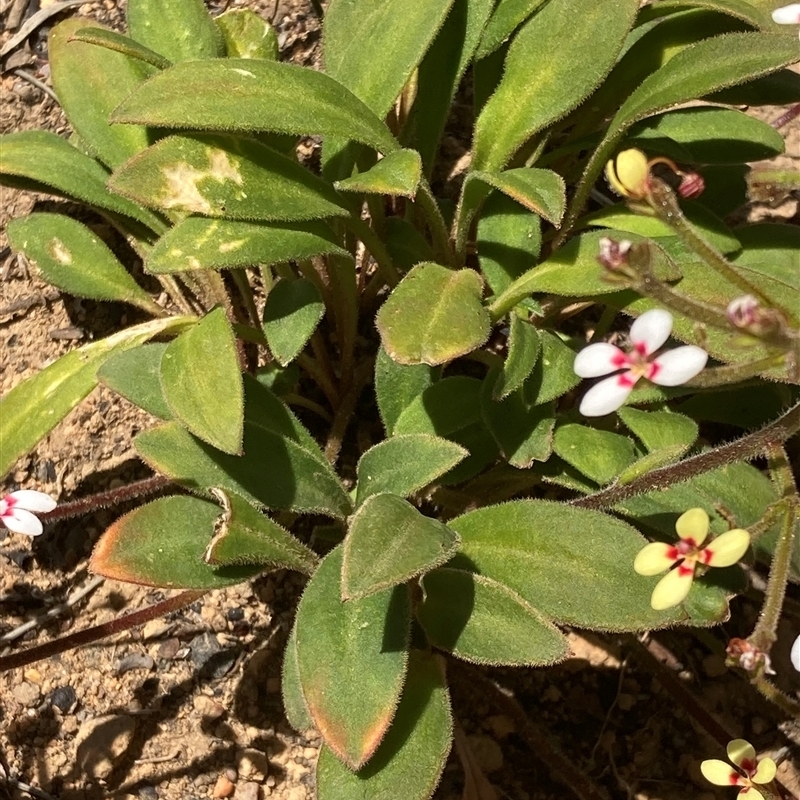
(294, 704)
(246, 35)
(480, 620)
(221, 176)
(206, 394)
(402, 465)
(599, 455)
(415, 749)
(162, 544)
(351, 658)
(34, 407)
(103, 37)
(90, 82)
(396, 385)
(76, 261)
(240, 94)
(291, 314)
(433, 316)
(398, 174)
(136, 375)
(389, 542)
(539, 190)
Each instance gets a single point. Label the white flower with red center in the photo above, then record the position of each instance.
(648, 334)
(17, 511)
(787, 15)
(685, 555)
(750, 770)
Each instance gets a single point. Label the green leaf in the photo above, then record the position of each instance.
(507, 17)
(206, 394)
(102, 37)
(708, 136)
(291, 314)
(657, 430)
(360, 34)
(439, 75)
(239, 94)
(34, 407)
(90, 82)
(246, 35)
(539, 190)
(483, 621)
(243, 535)
(403, 465)
(746, 11)
(162, 544)
(398, 174)
(524, 432)
(396, 385)
(274, 471)
(415, 749)
(524, 345)
(294, 704)
(222, 176)
(388, 543)
(600, 455)
(541, 83)
(509, 239)
(352, 659)
(136, 375)
(433, 316)
(203, 243)
(178, 29)
(42, 161)
(553, 374)
(75, 260)
(573, 565)
(406, 245)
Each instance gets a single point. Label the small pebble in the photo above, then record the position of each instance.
(64, 699)
(210, 658)
(224, 787)
(148, 793)
(234, 614)
(248, 791)
(169, 648)
(134, 661)
(28, 694)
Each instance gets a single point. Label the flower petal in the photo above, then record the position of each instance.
(718, 772)
(33, 501)
(739, 751)
(787, 15)
(726, 549)
(672, 589)
(22, 521)
(795, 654)
(750, 793)
(651, 330)
(653, 558)
(678, 366)
(599, 359)
(608, 395)
(693, 524)
(765, 771)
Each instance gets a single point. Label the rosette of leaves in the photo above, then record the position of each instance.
(297, 306)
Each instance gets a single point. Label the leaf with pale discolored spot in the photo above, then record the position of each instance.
(480, 620)
(43, 162)
(600, 455)
(222, 176)
(162, 544)
(246, 35)
(433, 316)
(203, 243)
(396, 385)
(34, 407)
(574, 566)
(136, 375)
(415, 750)
(351, 659)
(398, 174)
(206, 394)
(90, 82)
(243, 535)
(241, 94)
(291, 315)
(388, 543)
(75, 260)
(178, 29)
(402, 465)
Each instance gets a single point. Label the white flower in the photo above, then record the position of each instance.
(795, 654)
(787, 15)
(16, 511)
(648, 334)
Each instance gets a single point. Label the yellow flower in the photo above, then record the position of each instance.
(628, 174)
(750, 770)
(692, 527)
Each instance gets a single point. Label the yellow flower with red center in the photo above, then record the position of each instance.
(749, 770)
(686, 554)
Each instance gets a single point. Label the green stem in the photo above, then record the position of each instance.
(426, 202)
(735, 373)
(171, 287)
(246, 291)
(376, 249)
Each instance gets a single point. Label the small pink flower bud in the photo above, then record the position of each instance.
(743, 311)
(613, 254)
(692, 185)
(748, 657)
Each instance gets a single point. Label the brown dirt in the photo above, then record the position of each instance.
(189, 707)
